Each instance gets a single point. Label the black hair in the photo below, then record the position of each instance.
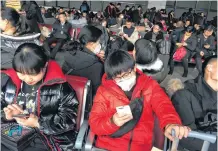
(112, 4)
(119, 4)
(188, 20)
(118, 62)
(189, 29)
(29, 58)
(207, 61)
(128, 20)
(127, 46)
(11, 15)
(159, 24)
(127, 6)
(146, 52)
(89, 33)
(63, 13)
(209, 28)
(61, 8)
(190, 9)
(139, 6)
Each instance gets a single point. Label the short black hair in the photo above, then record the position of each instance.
(29, 58)
(89, 33)
(188, 20)
(127, 6)
(61, 8)
(11, 15)
(119, 4)
(207, 61)
(118, 62)
(63, 13)
(129, 20)
(209, 28)
(139, 6)
(146, 52)
(189, 29)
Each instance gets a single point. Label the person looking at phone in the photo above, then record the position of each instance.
(128, 32)
(122, 84)
(37, 88)
(205, 45)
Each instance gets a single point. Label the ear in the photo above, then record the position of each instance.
(209, 68)
(133, 53)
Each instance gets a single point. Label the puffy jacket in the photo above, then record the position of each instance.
(109, 96)
(85, 64)
(56, 105)
(9, 44)
(194, 102)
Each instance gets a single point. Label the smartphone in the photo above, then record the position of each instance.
(123, 110)
(21, 115)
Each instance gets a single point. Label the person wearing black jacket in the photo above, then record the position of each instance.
(199, 100)
(60, 34)
(154, 35)
(189, 42)
(205, 45)
(171, 18)
(136, 15)
(110, 11)
(84, 61)
(33, 15)
(38, 87)
(127, 12)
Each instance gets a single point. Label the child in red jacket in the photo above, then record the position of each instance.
(121, 85)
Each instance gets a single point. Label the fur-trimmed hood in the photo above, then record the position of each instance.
(155, 66)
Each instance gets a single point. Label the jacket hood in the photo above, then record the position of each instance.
(157, 65)
(53, 75)
(174, 85)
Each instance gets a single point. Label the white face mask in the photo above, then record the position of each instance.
(122, 17)
(127, 85)
(97, 49)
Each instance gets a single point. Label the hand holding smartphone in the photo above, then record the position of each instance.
(21, 116)
(124, 110)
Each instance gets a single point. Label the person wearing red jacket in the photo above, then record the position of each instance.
(121, 83)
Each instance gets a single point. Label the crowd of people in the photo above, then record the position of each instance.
(126, 54)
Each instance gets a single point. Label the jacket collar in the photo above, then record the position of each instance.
(111, 86)
(53, 75)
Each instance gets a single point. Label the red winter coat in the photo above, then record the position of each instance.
(109, 96)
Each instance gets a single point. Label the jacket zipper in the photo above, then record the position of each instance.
(130, 141)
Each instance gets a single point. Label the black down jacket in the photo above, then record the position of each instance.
(56, 105)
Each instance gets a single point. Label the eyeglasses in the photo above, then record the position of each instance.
(125, 76)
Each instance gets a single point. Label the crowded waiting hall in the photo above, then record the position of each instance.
(108, 75)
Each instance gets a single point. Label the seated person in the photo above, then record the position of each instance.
(188, 42)
(198, 29)
(122, 83)
(128, 32)
(13, 35)
(60, 34)
(154, 35)
(187, 23)
(147, 60)
(205, 45)
(40, 89)
(197, 100)
(79, 22)
(82, 60)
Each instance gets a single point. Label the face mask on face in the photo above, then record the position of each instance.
(122, 17)
(127, 85)
(127, 8)
(97, 49)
